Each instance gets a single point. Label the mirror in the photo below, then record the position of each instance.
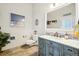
(62, 18)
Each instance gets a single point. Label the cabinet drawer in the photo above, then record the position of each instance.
(70, 50)
(49, 42)
(52, 44)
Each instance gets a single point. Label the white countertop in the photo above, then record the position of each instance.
(69, 42)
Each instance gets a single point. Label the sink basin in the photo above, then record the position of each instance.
(70, 41)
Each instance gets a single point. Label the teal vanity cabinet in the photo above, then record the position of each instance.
(53, 48)
(42, 47)
(70, 51)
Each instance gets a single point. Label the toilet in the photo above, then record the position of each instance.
(33, 41)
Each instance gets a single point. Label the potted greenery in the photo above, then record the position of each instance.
(3, 39)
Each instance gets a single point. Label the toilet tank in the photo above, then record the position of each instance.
(35, 38)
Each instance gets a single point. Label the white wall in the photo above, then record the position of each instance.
(39, 11)
(18, 32)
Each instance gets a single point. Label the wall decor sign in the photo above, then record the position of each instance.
(17, 20)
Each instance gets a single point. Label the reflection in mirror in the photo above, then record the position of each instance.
(63, 18)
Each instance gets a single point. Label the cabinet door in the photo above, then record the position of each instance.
(69, 51)
(42, 49)
(53, 49)
(49, 48)
(57, 50)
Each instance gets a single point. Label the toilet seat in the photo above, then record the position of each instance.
(30, 41)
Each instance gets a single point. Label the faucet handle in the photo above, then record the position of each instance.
(56, 34)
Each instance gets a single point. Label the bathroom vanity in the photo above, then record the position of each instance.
(55, 46)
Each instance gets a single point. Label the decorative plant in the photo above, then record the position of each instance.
(4, 39)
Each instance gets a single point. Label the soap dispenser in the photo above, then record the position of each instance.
(66, 35)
